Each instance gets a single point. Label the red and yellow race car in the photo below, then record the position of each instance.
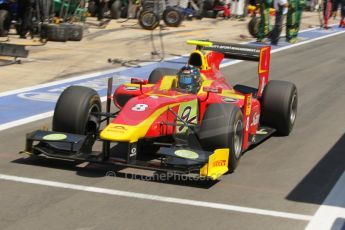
(164, 125)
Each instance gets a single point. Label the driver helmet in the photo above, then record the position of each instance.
(189, 79)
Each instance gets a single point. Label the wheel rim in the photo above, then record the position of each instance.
(293, 109)
(172, 17)
(92, 123)
(238, 138)
(148, 20)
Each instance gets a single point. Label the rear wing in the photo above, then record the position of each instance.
(260, 54)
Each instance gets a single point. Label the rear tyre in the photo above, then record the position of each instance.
(54, 32)
(158, 73)
(75, 111)
(76, 32)
(172, 17)
(148, 20)
(222, 127)
(5, 22)
(279, 106)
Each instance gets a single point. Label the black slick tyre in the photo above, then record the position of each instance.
(253, 26)
(75, 111)
(222, 127)
(148, 20)
(279, 106)
(172, 17)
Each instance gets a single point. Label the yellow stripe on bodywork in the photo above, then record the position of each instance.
(127, 133)
(217, 164)
(232, 94)
(137, 85)
(205, 83)
(168, 82)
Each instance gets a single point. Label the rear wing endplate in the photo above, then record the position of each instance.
(260, 54)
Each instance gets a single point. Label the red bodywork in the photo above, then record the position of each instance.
(139, 103)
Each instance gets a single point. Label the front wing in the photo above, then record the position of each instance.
(173, 159)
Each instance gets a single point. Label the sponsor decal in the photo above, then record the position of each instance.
(131, 88)
(262, 132)
(55, 137)
(249, 105)
(140, 107)
(187, 117)
(154, 97)
(229, 99)
(188, 113)
(247, 124)
(118, 129)
(262, 85)
(219, 163)
(133, 152)
(186, 154)
(256, 119)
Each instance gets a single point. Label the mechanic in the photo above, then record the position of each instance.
(188, 79)
(264, 27)
(336, 5)
(100, 8)
(342, 13)
(281, 7)
(25, 14)
(294, 16)
(223, 5)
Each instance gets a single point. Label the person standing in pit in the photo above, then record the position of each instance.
(264, 27)
(25, 14)
(342, 11)
(281, 7)
(294, 16)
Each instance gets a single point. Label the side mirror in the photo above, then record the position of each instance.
(212, 90)
(139, 81)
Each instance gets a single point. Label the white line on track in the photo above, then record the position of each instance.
(331, 214)
(157, 198)
(49, 113)
(26, 120)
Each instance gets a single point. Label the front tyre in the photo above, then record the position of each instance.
(222, 127)
(279, 106)
(77, 111)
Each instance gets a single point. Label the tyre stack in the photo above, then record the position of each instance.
(153, 11)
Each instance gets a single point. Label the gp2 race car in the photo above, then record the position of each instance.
(164, 129)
